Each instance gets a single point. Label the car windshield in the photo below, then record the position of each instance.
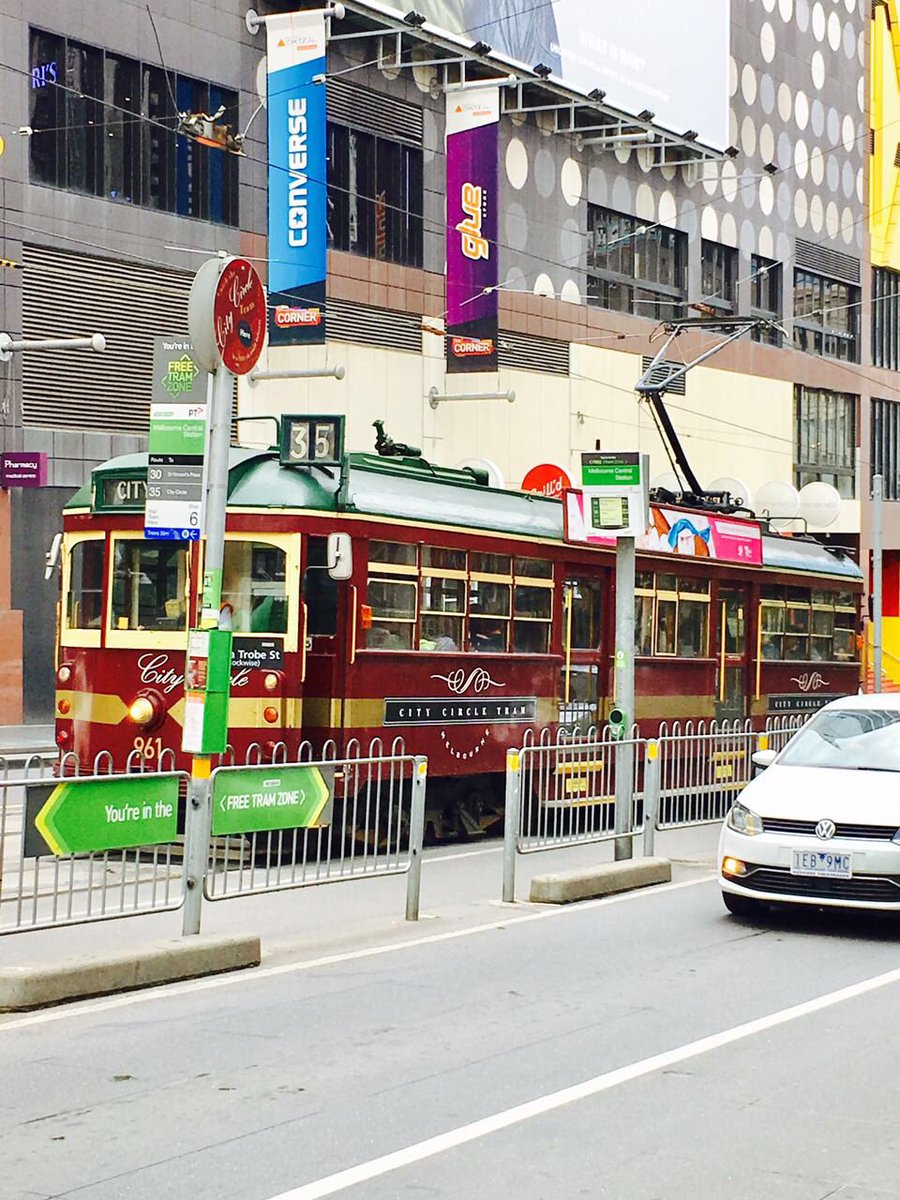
(856, 739)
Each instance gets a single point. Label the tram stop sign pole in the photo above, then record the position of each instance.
(616, 504)
(227, 322)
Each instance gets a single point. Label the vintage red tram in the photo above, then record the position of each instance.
(465, 620)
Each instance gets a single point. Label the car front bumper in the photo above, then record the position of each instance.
(874, 882)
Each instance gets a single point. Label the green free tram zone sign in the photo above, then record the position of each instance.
(81, 816)
(265, 799)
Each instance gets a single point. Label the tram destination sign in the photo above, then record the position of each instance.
(249, 652)
(311, 441)
(83, 816)
(430, 710)
(262, 799)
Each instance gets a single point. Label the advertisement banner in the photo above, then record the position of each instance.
(677, 531)
(473, 123)
(298, 213)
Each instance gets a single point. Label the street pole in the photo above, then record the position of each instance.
(624, 691)
(199, 809)
(877, 594)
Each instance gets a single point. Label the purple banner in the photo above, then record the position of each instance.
(472, 199)
(23, 469)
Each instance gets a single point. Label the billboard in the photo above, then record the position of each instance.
(669, 58)
(472, 273)
(298, 231)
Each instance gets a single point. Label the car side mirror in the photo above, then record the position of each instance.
(764, 758)
(340, 556)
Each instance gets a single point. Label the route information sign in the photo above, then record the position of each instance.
(178, 420)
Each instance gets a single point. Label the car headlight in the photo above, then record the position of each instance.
(742, 820)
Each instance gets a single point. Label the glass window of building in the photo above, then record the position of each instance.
(375, 196)
(635, 268)
(765, 296)
(826, 438)
(718, 276)
(886, 318)
(104, 125)
(885, 446)
(826, 316)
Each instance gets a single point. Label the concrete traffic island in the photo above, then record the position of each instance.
(37, 985)
(604, 880)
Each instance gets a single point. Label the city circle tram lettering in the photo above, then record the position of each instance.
(441, 711)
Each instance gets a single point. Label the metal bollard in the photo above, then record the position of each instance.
(416, 837)
(651, 796)
(511, 815)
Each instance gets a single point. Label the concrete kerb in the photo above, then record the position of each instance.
(563, 887)
(38, 985)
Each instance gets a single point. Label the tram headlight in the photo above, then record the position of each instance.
(270, 683)
(145, 710)
(64, 674)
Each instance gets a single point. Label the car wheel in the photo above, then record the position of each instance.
(740, 906)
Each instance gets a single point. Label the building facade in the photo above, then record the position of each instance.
(610, 223)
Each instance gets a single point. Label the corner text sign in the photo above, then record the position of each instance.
(298, 215)
(473, 124)
(81, 816)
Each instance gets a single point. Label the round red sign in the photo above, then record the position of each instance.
(548, 480)
(239, 316)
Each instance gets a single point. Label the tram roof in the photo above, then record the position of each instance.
(415, 490)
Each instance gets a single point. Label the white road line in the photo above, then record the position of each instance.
(342, 1180)
(155, 994)
(452, 855)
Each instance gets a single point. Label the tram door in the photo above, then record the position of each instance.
(580, 685)
(731, 655)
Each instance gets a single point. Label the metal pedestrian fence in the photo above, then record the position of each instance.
(48, 876)
(364, 817)
(566, 790)
(78, 848)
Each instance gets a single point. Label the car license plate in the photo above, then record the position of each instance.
(821, 862)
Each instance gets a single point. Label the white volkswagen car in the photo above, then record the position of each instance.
(821, 824)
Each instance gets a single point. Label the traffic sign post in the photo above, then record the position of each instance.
(227, 321)
(616, 504)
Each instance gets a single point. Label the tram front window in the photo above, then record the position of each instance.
(84, 604)
(149, 585)
(254, 585)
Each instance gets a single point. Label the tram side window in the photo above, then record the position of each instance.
(802, 626)
(585, 598)
(254, 585)
(443, 599)
(643, 613)
(671, 615)
(149, 585)
(532, 605)
(391, 595)
(320, 591)
(490, 602)
(84, 604)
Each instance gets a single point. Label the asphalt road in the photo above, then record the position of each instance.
(644, 1048)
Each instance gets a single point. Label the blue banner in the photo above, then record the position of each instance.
(298, 207)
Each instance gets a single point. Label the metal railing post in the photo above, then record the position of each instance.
(197, 823)
(416, 837)
(624, 757)
(651, 795)
(511, 814)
